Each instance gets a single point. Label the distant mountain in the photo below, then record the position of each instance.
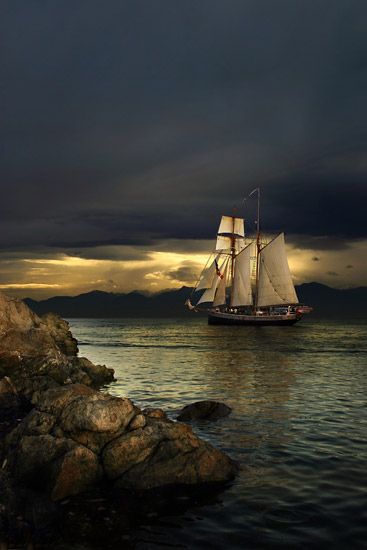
(327, 302)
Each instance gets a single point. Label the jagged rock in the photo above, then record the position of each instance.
(21, 330)
(164, 453)
(33, 347)
(204, 410)
(98, 374)
(60, 331)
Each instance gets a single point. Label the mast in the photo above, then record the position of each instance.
(233, 253)
(257, 246)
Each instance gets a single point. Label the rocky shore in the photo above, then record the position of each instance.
(61, 436)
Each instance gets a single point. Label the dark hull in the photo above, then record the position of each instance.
(252, 320)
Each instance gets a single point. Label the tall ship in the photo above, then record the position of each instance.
(247, 281)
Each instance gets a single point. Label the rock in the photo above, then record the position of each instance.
(98, 374)
(204, 410)
(164, 453)
(58, 466)
(32, 347)
(154, 413)
(139, 421)
(21, 330)
(95, 419)
(76, 436)
(53, 401)
(60, 331)
(9, 400)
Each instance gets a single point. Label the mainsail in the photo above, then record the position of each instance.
(241, 291)
(275, 285)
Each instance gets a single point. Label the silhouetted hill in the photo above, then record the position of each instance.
(327, 302)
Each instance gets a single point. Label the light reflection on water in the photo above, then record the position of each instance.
(298, 425)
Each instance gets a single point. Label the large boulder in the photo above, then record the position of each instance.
(74, 435)
(204, 410)
(164, 453)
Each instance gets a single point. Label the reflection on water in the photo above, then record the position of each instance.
(298, 426)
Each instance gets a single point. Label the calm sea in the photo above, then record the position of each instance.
(298, 427)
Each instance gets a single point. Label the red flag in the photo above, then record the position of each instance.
(218, 270)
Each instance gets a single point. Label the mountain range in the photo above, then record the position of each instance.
(326, 301)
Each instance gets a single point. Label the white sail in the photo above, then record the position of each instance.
(241, 291)
(223, 243)
(275, 284)
(220, 295)
(209, 294)
(239, 244)
(208, 276)
(228, 224)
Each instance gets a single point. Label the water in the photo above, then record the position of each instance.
(298, 426)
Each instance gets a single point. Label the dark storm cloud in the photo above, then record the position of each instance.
(137, 121)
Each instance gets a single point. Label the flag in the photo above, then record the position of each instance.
(218, 270)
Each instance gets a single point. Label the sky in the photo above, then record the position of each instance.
(129, 127)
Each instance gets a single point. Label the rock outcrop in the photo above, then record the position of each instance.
(76, 436)
(204, 410)
(60, 436)
(39, 353)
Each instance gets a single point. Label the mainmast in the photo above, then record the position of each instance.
(233, 253)
(257, 190)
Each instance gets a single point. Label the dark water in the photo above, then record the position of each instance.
(298, 427)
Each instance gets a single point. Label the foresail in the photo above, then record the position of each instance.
(208, 276)
(241, 291)
(209, 294)
(275, 285)
(220, 295)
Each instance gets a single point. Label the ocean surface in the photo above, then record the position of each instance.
(298, 428)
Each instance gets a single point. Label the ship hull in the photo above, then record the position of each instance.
(221, 318)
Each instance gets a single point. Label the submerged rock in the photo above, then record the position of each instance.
(204, 410)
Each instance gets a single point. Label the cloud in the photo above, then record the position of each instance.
(133, 128)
